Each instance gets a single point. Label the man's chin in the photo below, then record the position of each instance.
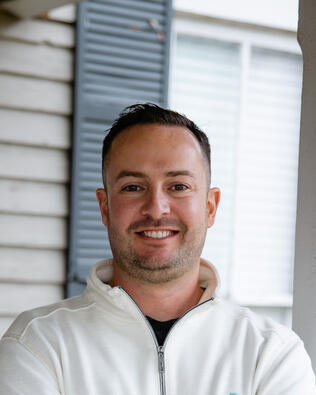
(155, 270)
(159, 261)
(161, 275)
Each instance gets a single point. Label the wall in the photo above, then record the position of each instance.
(281, 14)
(36, 76)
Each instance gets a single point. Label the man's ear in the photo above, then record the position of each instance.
(103, 204)
(213, 198)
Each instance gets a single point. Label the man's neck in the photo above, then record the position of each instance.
(162, 301)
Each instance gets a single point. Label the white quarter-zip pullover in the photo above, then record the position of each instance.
(101, 343)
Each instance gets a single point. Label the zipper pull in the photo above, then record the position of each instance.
(161, 358)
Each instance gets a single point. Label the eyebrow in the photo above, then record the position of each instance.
(127, 173)
(138, 174)
(176, 173)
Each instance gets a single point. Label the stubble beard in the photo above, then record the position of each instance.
(155, 269)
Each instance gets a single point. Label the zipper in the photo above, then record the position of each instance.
(161, 358)
(161, 349)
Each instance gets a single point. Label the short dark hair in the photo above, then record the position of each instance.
(149, 113)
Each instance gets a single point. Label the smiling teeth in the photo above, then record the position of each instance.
(157, 235)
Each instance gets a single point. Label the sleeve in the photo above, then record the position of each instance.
(289, 374)
(22, 372)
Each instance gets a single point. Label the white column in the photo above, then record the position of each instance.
(304, 306)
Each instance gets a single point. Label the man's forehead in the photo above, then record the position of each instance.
(144, 136)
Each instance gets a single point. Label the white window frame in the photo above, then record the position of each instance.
(246, 36)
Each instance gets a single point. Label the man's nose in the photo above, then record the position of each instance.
(156, 204)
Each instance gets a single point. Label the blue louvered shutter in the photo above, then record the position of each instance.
(122, 57)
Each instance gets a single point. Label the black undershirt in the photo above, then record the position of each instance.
(161, 328)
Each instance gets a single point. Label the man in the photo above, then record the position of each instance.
(149, 321)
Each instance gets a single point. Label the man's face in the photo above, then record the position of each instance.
(157, 205)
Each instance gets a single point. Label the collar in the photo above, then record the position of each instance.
(101, 274)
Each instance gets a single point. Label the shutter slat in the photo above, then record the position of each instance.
(131, 9)
(113, 82)
(110, 41)
(125, 52)
(128, 33)
(112, 19)
(121, 61)
(122, 72)
(126, 91)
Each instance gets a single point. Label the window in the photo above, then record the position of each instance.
(242, 86)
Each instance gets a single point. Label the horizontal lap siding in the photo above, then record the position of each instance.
(43, 130)
(33, 163)
(33, 296)
(36, 78)
(32, 265)
(28, 93)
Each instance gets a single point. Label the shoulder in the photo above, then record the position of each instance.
(257, 338)
(260, 327)
(279, 355)
(36, 319)
(39, 335)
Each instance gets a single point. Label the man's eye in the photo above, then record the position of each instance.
(132, 188)
(179, 187)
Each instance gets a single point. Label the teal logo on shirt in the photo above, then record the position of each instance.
(233, 393)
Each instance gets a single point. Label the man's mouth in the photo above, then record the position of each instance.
(157, 234)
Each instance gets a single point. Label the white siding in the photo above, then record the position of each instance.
(33, 163)
(36, 76)
(36, 31)
(43, 130)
